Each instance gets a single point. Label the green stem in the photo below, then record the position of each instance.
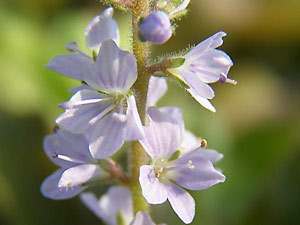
(137, 155)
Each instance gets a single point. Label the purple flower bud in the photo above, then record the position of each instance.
(156, 27)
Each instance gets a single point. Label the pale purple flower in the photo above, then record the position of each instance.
(204, 64)
(71, 153)
(116, 200)
(115, 204)
(156, 27)
(193, 170)
(156, 89)
(106, 110)
(102, 27)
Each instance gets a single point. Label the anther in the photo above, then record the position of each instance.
(190, 164)
(203, 143)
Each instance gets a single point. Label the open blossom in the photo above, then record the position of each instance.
(116, 207)
(102, 27)
(204, 64)
(71, 153)
(106, 109)
(193, 170)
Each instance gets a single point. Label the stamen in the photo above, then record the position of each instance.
(203, 143)
(72, 47)
(223, 79)
(190, 164)
(102, 114)
(56, 155)
(181, 166)
(72, 104)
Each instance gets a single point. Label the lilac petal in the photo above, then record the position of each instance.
(202, 101)
(66, 149)
(153, 191)
(134, 128)
(117, 199)
(102, 27)
(174, 115)
(212, 42)
(79, 88)
(83, 110)
(50, 189)
(182, 203)
(115, 71)
(202, 89)
(142, 218)
(157, 88)
(79, 174)
(70, 65)
(181, 7)
(197, 172)
(91, 202)
(107, 136)
(190, 142)
(162, 136)
(210, 154)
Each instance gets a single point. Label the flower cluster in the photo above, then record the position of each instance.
(104, 113)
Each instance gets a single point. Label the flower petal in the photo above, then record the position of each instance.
(134, 128)
(75, 147)
(50, 189)
(202, 101)
(83, 110)
(182, 203)
(180, 7)
(162, 136)
(107, 136)
(70, 65)
(200, 175)
(79, 174)
(190, 142)
(142, 218)
(157, 88)
(102, 27)
(213, 41)
(153, 191)
(210, 154)
(117, 199)
(115, 71)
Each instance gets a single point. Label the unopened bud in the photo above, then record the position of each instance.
(156, 27)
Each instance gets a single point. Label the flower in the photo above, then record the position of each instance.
(156, 27)
(204, 64)
(71, 153)
(107, 109)
(162, 179)
(102, 27)
(156, 89)
(115, 207)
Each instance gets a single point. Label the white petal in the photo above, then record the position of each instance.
(142, 218)
(190, 142)
(134, 128)
(181, 7)
(162, 136)
(157, 88)
(203, 101)
(70, 65)
(182, 203)
(115, 71)
(102, 27)
(153, 191)
(107, 136)
(50, 189)
(79, 174)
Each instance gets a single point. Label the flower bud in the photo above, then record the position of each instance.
(156, 27)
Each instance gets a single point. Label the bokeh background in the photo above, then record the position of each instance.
(256, 126)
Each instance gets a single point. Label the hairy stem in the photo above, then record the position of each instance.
(138, 156)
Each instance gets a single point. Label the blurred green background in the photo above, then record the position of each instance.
(256, 126)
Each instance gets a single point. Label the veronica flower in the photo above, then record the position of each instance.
(115, 207)
(102, 27)
(107, 109)
(71, 153)
(204, 64)
(162, 179)
(156, 89)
